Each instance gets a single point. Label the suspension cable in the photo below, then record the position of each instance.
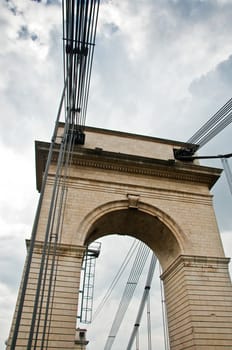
(137, 340)
(55, 272)
(143, 301)
(115, 280)
(64, 151)
(131, 284)
(79, 35)
(77, 54)
(58, 236)
(164, 314)
(213, 126)
(35, 224)
(51, 212)
(210, 129)
(59, 205)
(149, 341)
(228, 172)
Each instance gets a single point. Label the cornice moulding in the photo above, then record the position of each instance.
(119, 162)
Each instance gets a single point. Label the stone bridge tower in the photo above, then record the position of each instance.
(131, 185)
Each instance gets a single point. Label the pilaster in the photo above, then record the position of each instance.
(62, 306)
(198, 295)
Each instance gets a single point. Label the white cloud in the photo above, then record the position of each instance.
(7, 302)
(150, 62)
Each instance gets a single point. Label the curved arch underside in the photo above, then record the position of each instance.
(141, 225)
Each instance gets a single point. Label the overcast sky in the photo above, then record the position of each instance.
(161, 68)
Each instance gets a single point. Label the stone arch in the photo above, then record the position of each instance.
(108, 179)
(144, 222)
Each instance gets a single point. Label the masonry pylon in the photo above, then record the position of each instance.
(132, 185)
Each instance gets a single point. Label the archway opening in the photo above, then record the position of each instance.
(113, 251)
(148, 225)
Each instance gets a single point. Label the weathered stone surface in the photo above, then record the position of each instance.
(131, 185)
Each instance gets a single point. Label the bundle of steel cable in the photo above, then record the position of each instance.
(131, 284)
(113, 284)
(213, 126)
(79, 34)
(79, 28)
(145, 298)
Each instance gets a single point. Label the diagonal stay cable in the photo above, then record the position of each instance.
(57, 234)
(35, 225)
(43, 271)
(143, 301)
(131, 284)
(47, 233)
(68, 30)
(214, 125)
(228, 172)
(149, 340)
(215, 130)
(207, 132)
(79, 34)
(55, 273)
(124, 264)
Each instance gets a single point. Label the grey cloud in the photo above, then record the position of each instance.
(11, 269)
(218, 81)
(171, 20)
(209, 93)
(24, 34)
(53, 2)
(141, 86)
(55, 48)
(222, 196)
(31, 93)
(223, 203)
(193, 10)
(111, 28)
(9, 214)
(49, 2)
(12, 7)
